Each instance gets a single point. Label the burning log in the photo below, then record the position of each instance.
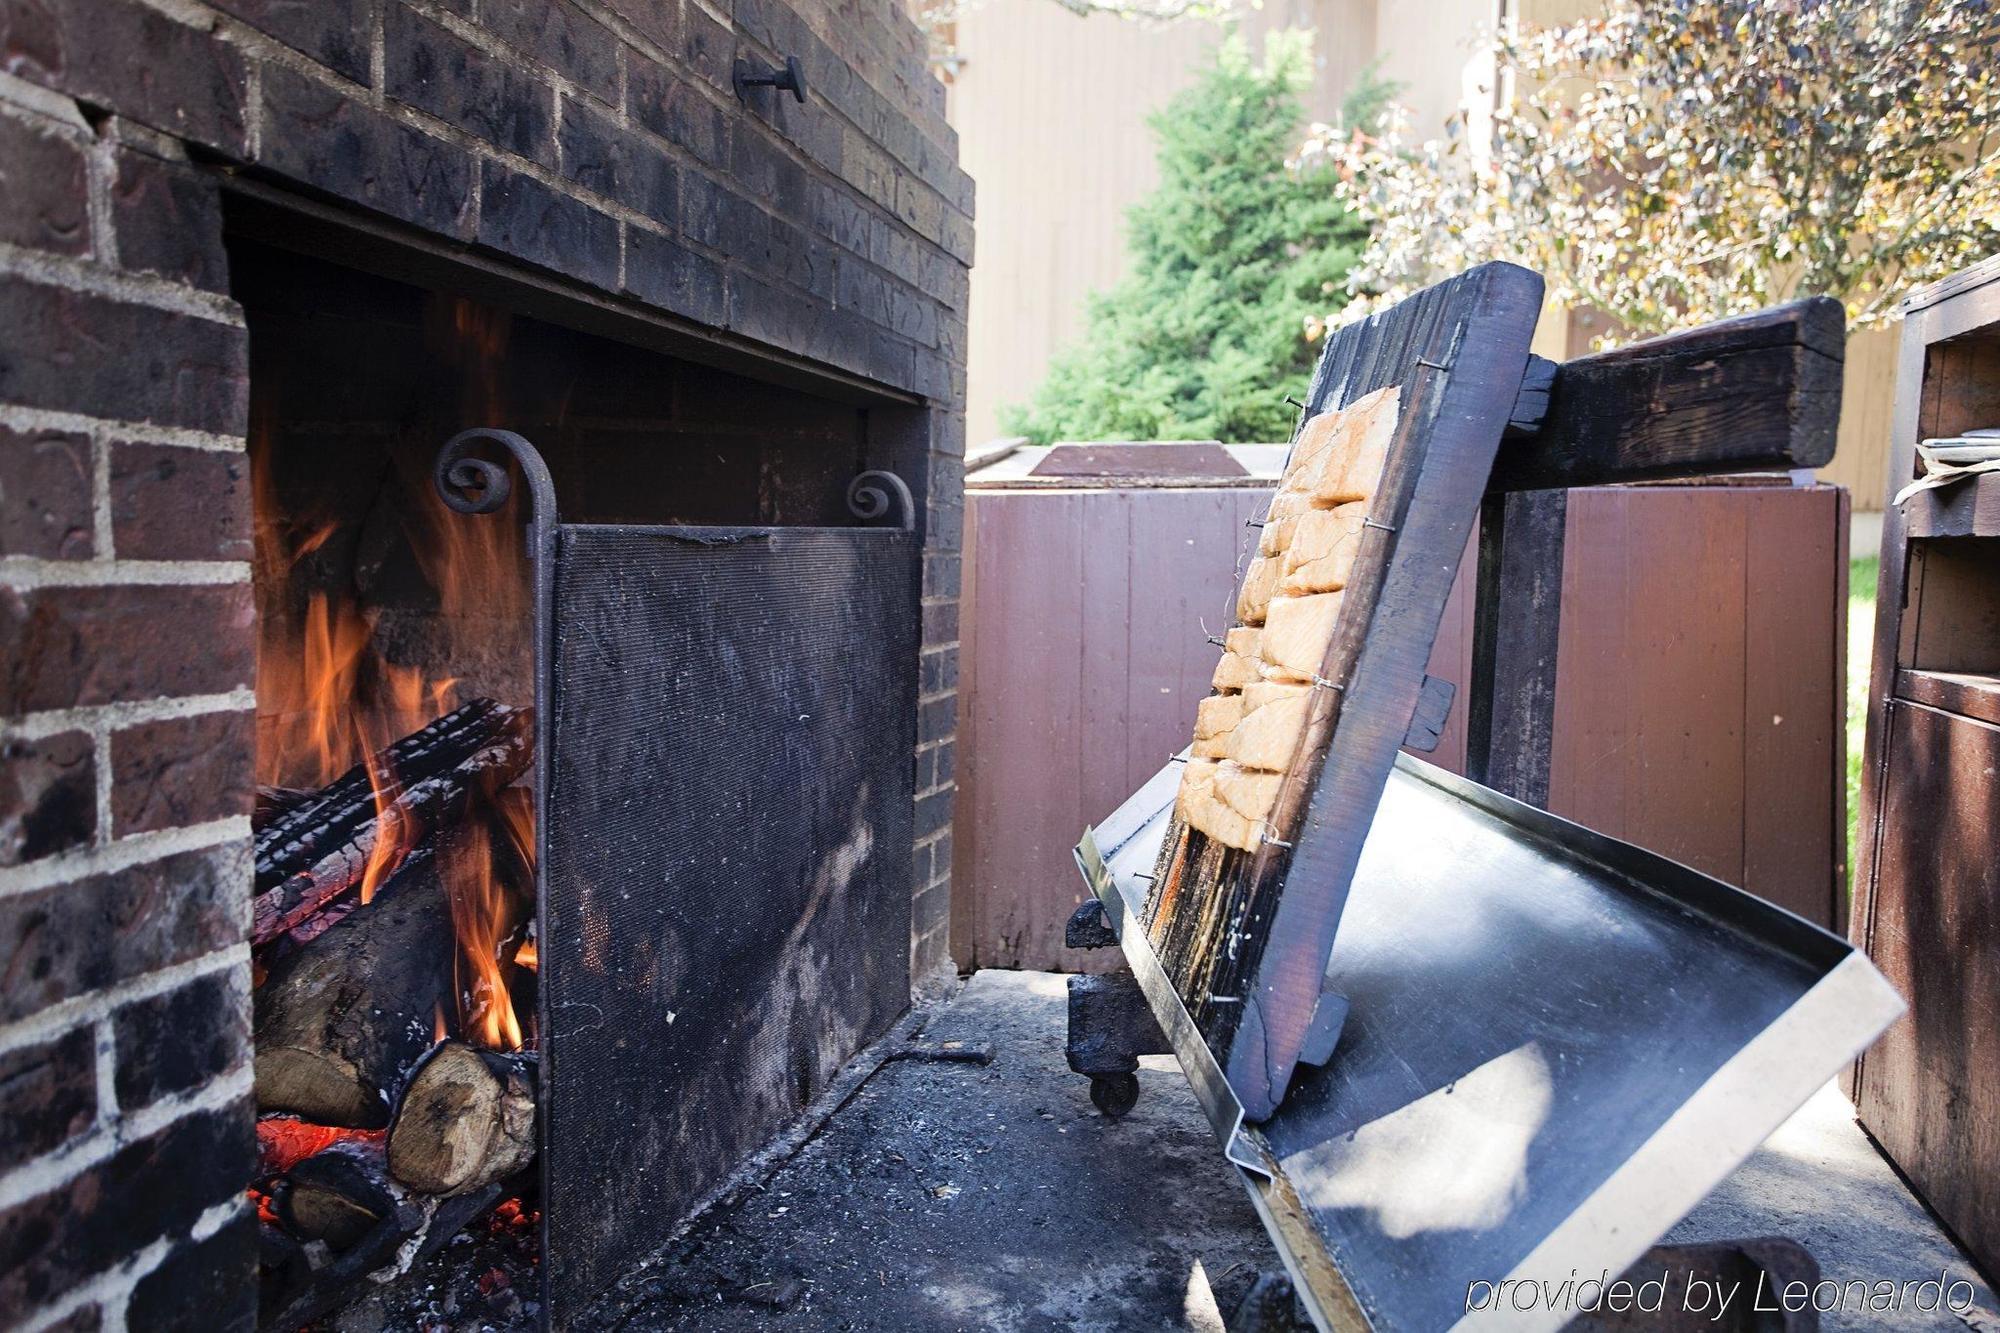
(339, 1195)
(339, 1019)
(467, 1119)
(320, 847)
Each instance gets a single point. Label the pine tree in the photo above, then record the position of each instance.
(1230, 255)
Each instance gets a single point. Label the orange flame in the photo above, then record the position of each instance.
(485, 918)
(328, 698)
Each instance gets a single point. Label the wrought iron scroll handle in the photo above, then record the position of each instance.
(872, 494)
(470, 484)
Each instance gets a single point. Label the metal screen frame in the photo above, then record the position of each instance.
(882, 557)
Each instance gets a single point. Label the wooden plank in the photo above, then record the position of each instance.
(1458, 351)
(1970, 508)
(1517, 622)
(1162, 460)
(1968, 695)
(1758, 392)
(1136, 573)
(1451, 658)
(1794, 705)
(1928, 1085)
(1649, 746)
(1016, 796)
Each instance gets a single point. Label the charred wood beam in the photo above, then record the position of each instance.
(318, 849)
(1757, 393)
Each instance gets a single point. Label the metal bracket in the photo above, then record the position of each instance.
(789, 77)
(1427, 720)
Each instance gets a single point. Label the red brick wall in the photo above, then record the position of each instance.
(596, 140)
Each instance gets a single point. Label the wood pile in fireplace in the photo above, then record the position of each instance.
(383, 1135)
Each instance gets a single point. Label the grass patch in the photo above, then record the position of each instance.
(1861, 573)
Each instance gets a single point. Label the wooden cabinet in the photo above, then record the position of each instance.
(1927, 895)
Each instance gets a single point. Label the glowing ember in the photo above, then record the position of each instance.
(284, 1141)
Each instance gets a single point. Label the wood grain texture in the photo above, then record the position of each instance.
(1976, 696)
(1085, 651)
(1927, 1088)
(1758, 391)
(1948, 380)
(1792, 611)
(1516, 625)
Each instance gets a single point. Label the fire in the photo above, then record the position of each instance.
(485, 918)
(330, 696)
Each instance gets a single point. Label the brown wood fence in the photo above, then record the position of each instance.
(1699, 679)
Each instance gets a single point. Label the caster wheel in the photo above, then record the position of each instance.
(1114, 1094)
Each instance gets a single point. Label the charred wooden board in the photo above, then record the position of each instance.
(1245, 935)
(1755, 392)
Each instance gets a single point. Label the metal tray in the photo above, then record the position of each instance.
(1557, 1043)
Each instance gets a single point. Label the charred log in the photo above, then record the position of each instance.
(342, 1016)
(274, 803)
(317, 849)
(339, 1196)
(466, 1119)
(296, 1291)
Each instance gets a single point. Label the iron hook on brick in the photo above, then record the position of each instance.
(789, 77)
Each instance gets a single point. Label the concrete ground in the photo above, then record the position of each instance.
(946, 1196)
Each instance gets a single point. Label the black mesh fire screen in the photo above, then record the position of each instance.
(725, 912)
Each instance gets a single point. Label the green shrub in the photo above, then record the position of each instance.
(1228, 258)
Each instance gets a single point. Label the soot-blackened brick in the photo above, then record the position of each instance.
(662, 272)
(768, 173)
(48, 796)
(936, 719)
(657, 22)
(195, 85)
(436, 71)
(317, 135)
(520, 216)
(606, 158)
(156, 1187)
(112, 358)
(71, 939)
(184, 770)
(168, 220)
(48, 1095)
(207, 1286)
(561, 36)
(665, 102)
(170, 503)
(181, 1040)
(332, 32)
(44, 192)
(65, 647)
(45, 480)
(709, 47)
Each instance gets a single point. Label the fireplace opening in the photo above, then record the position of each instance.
(396, 958)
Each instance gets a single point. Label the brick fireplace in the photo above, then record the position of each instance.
(720, 308)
